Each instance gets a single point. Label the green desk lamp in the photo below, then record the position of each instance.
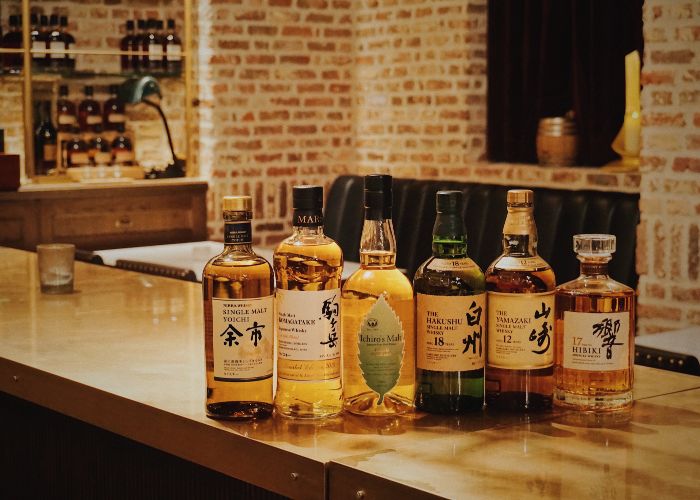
(136, 90)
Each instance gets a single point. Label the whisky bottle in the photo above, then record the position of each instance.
(76, 151)
(113, 110)
(38, 38)
(308, 267)
(520, 289)
(122, 149)
(89, 115)
(450, 318)
(173, 50)
(126, 47)
(12, 63)
(56, 44)
(45, 141)
(153, 45)
(69, 42)
(99, 149)
(65, 111)
(594, 333)
(378, 317)
(238, 289)
(137, 60)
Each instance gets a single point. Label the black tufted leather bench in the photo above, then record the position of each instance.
(559, 215)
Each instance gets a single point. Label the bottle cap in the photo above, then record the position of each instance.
(237, 204)
(307, 197)
(130, 24)
(64, 21)
(378, 196)
(14, 21)
(448, 202)
(63, 90)
(594, 244)
(520, 197)
(44, 20)
(88, 90)
(171, 24)
(34, 18)
(53, 20)
(159, 24)
(113, 89)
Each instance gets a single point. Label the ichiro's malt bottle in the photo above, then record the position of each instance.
(378, 317)
(594, 333)
(308, 267)
(520, 286)
(450, 318)
(238, 322)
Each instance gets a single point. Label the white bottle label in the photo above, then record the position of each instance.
(308, 332)
(155, 52)
(116, 118)
(93, 119)
(123, 156)
(173, 52)
(451, 333)
(49, 152)
(520, 330)
(38, 45)
(57, 46)
(66, 119)
(596, 341)
(243, 338)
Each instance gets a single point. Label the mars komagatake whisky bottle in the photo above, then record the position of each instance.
(308, 267)
(378, 317)
(594, 333)
(238, 290)
(520, 288)
(450, 318)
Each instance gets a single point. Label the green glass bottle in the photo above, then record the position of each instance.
(450, 318)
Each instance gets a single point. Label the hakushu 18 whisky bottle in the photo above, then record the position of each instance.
(308, 267)
(520, 322)
(238, 290)
(594, 333)
(378, 317)
(450, 318)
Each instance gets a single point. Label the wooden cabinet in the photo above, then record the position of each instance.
(95, 217)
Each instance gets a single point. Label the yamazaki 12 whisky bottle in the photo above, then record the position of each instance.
(450, 318)
(594, 333)
(378, 316)
(308, 267)
(520, 285)
(238, 291)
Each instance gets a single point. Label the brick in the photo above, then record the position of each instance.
(683, 56)
(303, 31)
(296, 59)
(253, 15)
(693, 252)
(686, 294)
(659, 312)
(683, 164)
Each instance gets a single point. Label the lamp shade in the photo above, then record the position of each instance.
(134, 90)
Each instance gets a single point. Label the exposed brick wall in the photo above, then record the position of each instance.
(668, 259)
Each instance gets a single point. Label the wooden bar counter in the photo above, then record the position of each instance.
(124, 353)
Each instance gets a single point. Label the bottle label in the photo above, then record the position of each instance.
(308, 334)
(93, 119)
(238, 233)
(520, 330)
(451, 333)
(465, 264)
(243, 337)
(521, 263)
(116, 118)
(102, 158)
(66, 119)
(596, 341)
(173, 52)
(49, 152)
(57, 46)
(38, 45)
(381, 348)
(307, 218)
(79, 158)
(155, 52)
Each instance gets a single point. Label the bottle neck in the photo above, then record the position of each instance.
(378, 244)
(594, 267)
(520, 232)
(449, 236)
(238, 236)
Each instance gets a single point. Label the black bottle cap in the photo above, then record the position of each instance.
(34, 19)
(448, 202)
(64, 21)
(14, 21)
(63, 90)
(308, 206)
(113, 89)
(44, 20)
(171, 24)
(53, 20)
(159, 25)
(130, 24)
(88, 90)
(151, 23)
(378, 196)
(141, 23)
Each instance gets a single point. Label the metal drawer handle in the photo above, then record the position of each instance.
(123, 221)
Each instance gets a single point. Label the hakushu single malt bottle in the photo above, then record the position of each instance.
(238, 290)
(594, 333)
(378, 316)
(450, 318)
(520, 322)
(308, 267)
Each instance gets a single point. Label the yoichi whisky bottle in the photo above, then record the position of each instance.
(450, 318)
(238, 290)
(594, 337)
(378, 317)
(308, 267)
(520, 288)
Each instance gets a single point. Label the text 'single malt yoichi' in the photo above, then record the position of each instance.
(450, 318)
(238, 288)
(520, 286)
(378, 316)
(308, 267)
(594, 333)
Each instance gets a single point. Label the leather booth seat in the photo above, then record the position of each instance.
(559, 215)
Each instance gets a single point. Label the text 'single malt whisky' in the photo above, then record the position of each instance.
(450, 318)
(378, 317)
(238, 322)
(308, 266)
(520, 290)
(594, 333)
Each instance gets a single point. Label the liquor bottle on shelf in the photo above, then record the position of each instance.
(113, 110)
(378, 317)
(45, 141)
(152, 43)
(122, 149)
(126, 46)
(12, 63)
(308, 267)
(38, 42)
(76, 151)
(450, 318)
(89, 114)
(99, 149)
(137, 46)
(520, 287)
(594, 333)
(173, 50)
(66, 117)
(56, 42)
(238, 288)
(69, 42)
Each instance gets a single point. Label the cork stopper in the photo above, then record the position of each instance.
(594, 244)
(237, 204)
(448, 202)
(520, 197)
(307, 197)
